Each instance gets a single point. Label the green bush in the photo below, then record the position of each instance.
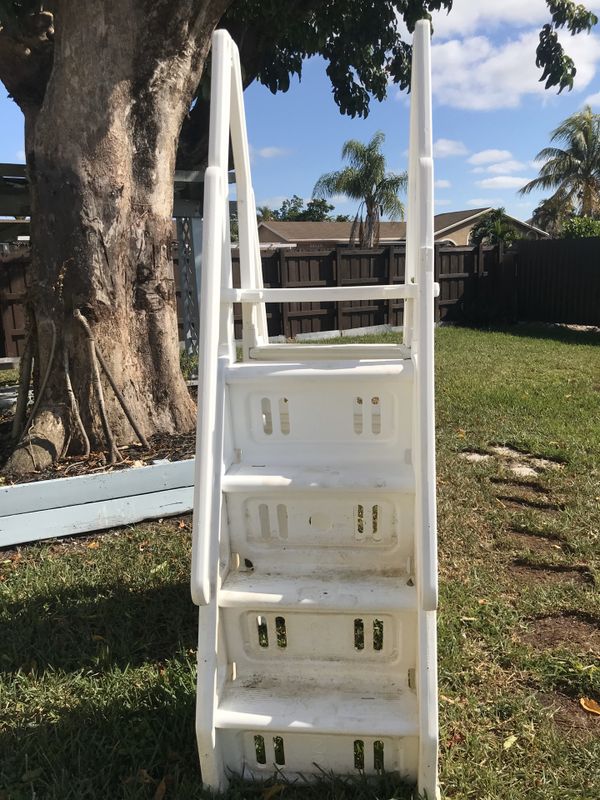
(189, 364)
(580, 228)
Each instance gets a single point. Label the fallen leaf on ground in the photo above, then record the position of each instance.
(92, 545)
(590, 705)
(508, 743)
(272, 791)
(161, 790)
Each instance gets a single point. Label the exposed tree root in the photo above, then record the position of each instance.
(44, 383)
(24, 382)
(121, 399)
(75, 415)
(113, 453)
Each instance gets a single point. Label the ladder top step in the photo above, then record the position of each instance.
(333, 591)
(257, 478)
(346, 370)
(257, 704)
(328, 352)
(315, 294)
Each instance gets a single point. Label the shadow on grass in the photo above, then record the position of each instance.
(122, 747)
(105, 750)
(96, 627)
(549, 331)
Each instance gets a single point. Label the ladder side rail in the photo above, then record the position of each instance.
(410, 258)
(214, 241)
(254, 324)
(216, 352)
(424, 432)
(226, 323)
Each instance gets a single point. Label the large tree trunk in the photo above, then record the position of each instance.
(101, 157)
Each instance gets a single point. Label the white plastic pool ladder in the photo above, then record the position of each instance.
(314, 546)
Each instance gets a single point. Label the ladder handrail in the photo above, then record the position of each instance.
(422, 244)
(209, 440)
(254, 320)
(420, 251)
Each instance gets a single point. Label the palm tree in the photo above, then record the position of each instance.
(551, 214)
(573, 169)
(494, 228)
(366, 180)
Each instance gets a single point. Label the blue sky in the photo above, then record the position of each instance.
(491, 114)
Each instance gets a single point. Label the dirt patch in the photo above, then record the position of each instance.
(524, 465)
(550, 575)
(474, 457)
(537, 542)
(579, 632)
(569, 717)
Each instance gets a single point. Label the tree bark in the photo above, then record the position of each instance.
(101, 152)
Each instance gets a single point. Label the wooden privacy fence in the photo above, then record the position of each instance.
(555, 280)
(459, 271)
(13, 286)
(550, 280)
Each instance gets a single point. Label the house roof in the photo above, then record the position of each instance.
(389, 231)
(327, 231)
(340, 231)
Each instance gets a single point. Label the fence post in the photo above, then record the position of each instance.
(285, 309)
(338, 281)
(436, 277)
(389, 280)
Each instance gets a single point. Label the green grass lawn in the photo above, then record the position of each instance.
(8, 377)
(98, 634)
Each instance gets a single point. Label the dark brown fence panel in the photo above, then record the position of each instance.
(360, 268)
(271, 280)
(457, 271)
(312, 268)
(397, 257)
(13, 287)
(558, 280)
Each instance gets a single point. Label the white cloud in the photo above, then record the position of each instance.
(488, 156)
(442, 148)
(442, 184)
(20, 156)
(593, 100)
(272, 202)
(477, 73)
(506, 166)
(485, 202)
(503, 182)
(442, 202)
(271, 152)
(471, 16)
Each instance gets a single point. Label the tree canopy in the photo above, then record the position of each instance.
(571, 165)
(360, 40)
(293, 209)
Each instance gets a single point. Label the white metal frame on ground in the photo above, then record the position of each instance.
(291, 569)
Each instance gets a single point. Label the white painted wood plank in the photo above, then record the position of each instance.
(86, 517)
(59, 493)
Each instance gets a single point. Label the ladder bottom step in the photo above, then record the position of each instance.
(309, 755)
(303, 708)
(331, 591)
